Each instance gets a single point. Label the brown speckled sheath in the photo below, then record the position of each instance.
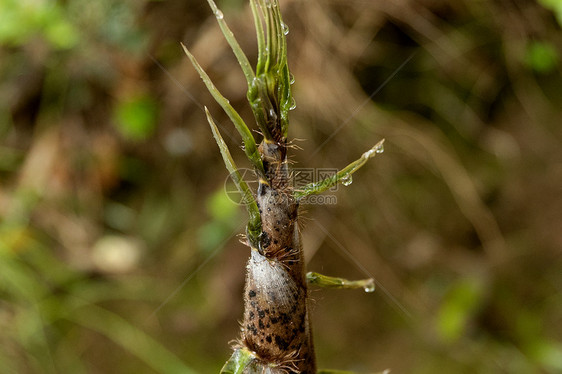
(276, 325)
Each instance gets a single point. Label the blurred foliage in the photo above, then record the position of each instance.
(22, 21)
(542, 57)
(555, 6)
(136, 117)
(118, 247)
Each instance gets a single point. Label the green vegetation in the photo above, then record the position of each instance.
(458, 222)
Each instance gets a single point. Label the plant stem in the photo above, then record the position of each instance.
(276, 334)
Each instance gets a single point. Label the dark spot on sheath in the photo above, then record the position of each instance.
(261, 325)
(285, 318)
(268, 338)
(252, 293)
(274, 320)
(265, 240)
(282, 344)
(252, 315)
(261, 313)
(252, 329)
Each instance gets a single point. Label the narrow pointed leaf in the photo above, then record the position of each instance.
(342, 175)
(254, 224)
(326, 281)
(229, 36)
(260, 36)
(249, 142)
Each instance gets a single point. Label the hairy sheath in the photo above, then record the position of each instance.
(276, 324)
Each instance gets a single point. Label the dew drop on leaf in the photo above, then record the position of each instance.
(347, 180)
(293, 104)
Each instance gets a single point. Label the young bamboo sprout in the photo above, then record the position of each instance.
(276, 336)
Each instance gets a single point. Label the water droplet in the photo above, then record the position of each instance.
(293, 104)
(219, 14)
(367, 155)
(291, 79)
(377, 149)
(285, 28)
(347, 180)
(370, 286)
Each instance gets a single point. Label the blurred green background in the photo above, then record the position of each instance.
(118, 245)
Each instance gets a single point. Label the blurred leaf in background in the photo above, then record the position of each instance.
(555, 6)
(459, 307)
(136, 117)
(20, 21)
(542, 57)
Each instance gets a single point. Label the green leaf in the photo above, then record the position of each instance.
(332, 282)
(240, 360)
(270, 93)
(254, 224)
(250, 146)
(343, 175)
(229, 36)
